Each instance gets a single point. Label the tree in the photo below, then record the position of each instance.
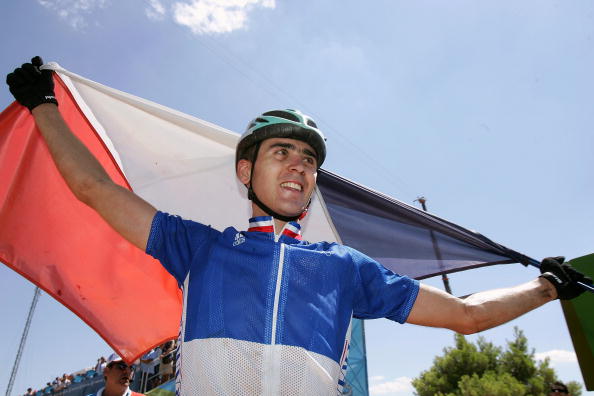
(483, 369)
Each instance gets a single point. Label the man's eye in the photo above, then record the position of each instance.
(309, 160)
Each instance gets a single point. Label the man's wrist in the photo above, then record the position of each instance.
(44, 108)
(548, 289)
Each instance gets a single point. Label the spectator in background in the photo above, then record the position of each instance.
(49, 389)
(559, 389)
(30, 392)
(65, 381)
(100, 365)
(57, 384)
(148, 362)
(118, 376)
(166, 366)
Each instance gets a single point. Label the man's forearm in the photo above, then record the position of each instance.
(79, 168)
(479, 311)
(492, 308)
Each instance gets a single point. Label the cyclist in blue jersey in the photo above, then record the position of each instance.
(264, 311)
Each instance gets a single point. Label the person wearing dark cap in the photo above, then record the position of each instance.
(558, 388)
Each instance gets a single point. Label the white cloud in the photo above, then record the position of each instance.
(216, 16)
(73, 11)
(400, 384)
(557, 356)
(155, 10)
(377, 378)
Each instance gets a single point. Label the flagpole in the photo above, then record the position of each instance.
(17, 360)
(444, 277)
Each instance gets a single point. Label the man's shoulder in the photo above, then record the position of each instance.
(164, 222)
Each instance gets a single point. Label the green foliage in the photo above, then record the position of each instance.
(490, 383)
(483, 369)
(575, 389)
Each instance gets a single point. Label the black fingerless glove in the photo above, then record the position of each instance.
(564, 277)
(31, 86)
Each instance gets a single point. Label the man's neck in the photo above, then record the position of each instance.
(114, 391)
(278, 226)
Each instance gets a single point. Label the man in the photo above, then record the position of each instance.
(166, 370)
(148, 362)
(265, 312)
(101, 363)
(559, 389)
(118, 376)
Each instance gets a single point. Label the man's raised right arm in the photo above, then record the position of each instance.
(127, 213)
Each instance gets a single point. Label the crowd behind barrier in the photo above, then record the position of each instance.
(154, 368)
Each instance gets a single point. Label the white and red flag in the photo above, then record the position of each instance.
(184, 166)
(178, 163)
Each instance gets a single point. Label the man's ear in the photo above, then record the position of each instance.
(244, 171)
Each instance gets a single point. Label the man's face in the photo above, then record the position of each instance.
(117, 374)
(284, 176)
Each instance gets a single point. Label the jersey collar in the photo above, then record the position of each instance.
(265, 224)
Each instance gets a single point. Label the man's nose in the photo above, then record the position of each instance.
(296, 162)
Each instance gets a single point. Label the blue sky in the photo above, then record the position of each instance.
(482, 107)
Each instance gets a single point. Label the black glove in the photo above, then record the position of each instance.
(564, 277)
(31, 86)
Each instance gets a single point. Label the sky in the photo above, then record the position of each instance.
(484, 108)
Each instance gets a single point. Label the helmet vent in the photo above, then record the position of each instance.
(282, 114)
(311, 123)
(261, 119)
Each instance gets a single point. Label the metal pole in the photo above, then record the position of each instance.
(17, 360)
(444, 277)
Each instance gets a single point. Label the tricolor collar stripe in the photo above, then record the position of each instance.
(266, 224)
(291, 234)
(262, 221)
(261, 229)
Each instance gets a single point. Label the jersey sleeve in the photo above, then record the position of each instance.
(176, 242)
(379, 292)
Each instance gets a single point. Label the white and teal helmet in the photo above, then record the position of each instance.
(288, 123)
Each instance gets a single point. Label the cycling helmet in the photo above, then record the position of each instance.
(288, 123)
(291, 124)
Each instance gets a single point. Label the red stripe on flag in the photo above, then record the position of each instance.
(64, 247)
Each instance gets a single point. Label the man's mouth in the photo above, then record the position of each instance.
(292, 185)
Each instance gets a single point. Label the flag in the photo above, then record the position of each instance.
(403, 238)
(578, 315)
(185, 166)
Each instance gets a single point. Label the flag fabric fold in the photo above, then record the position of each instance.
(185, 166)
(403, 238)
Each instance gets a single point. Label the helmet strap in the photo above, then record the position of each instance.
(254, 198)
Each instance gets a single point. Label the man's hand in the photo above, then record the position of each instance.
(31, 86)
(564, 277)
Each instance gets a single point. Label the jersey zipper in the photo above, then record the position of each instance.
(279, 279)
(272, 354)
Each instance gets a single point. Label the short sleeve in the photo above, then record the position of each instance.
(380, 293)
(176, 242)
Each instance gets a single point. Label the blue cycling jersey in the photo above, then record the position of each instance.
(268, 313)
